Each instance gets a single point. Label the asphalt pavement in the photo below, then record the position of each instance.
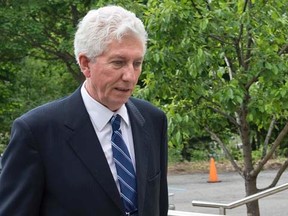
(190, 187)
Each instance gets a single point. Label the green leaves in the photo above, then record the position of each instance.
(214, 59)
(206, 60)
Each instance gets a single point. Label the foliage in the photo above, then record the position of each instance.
(37, 78)
(219, 68)
(42, 29)
(3, 141)
(197, 66)
(173, 156)
(36, 82)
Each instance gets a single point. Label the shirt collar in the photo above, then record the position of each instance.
(124, 114)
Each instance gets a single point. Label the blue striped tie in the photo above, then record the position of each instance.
(124, 167)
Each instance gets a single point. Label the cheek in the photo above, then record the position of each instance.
(137, 75)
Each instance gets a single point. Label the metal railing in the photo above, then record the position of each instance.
(183, 213)
(222, 207)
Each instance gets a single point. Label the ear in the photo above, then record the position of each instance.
(84, 65)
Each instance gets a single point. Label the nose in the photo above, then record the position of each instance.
(129, 73)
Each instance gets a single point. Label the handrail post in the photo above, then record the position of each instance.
(222, 210)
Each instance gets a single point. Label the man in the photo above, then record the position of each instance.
(61, 159)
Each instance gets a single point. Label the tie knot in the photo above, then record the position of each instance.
(115, 122)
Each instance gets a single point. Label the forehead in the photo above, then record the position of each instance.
(126, 46)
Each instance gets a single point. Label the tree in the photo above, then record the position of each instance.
(220, 67)
(43, 29)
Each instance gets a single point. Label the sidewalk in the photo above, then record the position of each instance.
(231, 188)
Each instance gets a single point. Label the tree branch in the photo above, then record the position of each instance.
(248, 52)
(230, 118)
(278, 176)
(229, 65)
(268, 136)
(226, 151)
(253, 80)
(218, 38)
(237, 41)
(75, 15)
(197, 9)
(275, 144)
(245, 5)
(238, 50)
(283, 50)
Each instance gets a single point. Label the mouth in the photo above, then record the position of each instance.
(123, 89)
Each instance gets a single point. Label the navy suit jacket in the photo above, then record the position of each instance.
(54, 164)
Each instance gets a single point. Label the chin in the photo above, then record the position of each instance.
(117, 105)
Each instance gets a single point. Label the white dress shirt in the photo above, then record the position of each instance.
(100, 117)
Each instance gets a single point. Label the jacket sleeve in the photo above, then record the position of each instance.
(21, 180)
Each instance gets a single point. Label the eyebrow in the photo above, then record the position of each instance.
(117, 56)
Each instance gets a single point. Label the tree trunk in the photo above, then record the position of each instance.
(250, 180)
(251, 188)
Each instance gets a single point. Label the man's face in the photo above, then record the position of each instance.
(112, 77)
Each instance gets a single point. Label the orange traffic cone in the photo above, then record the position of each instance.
(213, 178)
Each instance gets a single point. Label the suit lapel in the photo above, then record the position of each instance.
(84, 142)
(142, 149)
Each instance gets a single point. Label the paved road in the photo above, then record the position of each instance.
(231, 188)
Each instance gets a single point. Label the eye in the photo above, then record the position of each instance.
(137, 64)
(118, 64)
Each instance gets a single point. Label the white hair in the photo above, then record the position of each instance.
(99, 27)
